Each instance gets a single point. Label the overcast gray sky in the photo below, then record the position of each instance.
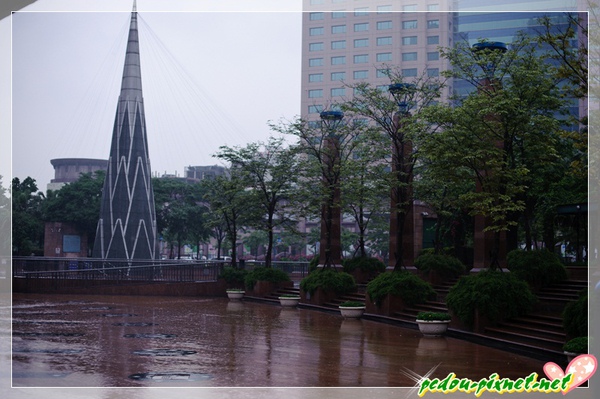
(210, 78)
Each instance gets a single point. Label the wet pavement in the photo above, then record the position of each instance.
(103, 341)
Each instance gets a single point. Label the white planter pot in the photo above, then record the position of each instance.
(352, 312)
(235, 295)
(289, 301)
(434, 328)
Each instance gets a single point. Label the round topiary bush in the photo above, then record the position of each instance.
(445, 265)
(577, 345)
(406, 285)
(538, 267)
(494, 294)
(575, 317)
(363, 264)
(328, 280)
(233, 277)
(265, 274)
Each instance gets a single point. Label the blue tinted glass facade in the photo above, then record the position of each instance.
(501, 27)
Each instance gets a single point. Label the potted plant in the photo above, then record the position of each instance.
(433, 324)
(575, 347)
(235, 294)
(289, 300)
(352, 309)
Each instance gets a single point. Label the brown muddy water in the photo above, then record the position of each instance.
(119, 341)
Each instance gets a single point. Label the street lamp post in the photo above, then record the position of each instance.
(401, 244)
(330, 253)
(489, 247)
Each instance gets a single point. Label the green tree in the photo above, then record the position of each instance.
(180, 212)
(27, 221)
(232, 207)
(77, 203)
(5, 218)
(503, 134)
(399, 119)
(266, 169)
(364, 185)
(325, 150)
(255, 240)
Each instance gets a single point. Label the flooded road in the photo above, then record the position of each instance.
(116, 341)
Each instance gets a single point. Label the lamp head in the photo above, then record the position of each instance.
(331, 119)
(401, 93)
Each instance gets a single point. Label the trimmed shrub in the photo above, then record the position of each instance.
(575, 317)
(265, 274)
(433, 316)
(493, 293)
(233, 276)
(445, 265)
(577, 345)
(352, 304)
(314, 262)
(329, 280)
(363, 264)
(406, 285)
(539, 267)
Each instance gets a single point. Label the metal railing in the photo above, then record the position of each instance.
(119, 271)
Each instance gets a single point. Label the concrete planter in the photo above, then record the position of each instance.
(352, 312)
(433, 328)
(235, 295)
(288, 301)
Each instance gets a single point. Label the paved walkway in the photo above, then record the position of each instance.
(102, 341)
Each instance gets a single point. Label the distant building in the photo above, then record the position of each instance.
(197, 173)
(68, 170)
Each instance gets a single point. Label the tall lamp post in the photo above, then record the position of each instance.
(330, 254)
(489, 247)
(401, 245)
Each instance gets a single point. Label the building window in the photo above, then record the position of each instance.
(382, 57)
(409, 24)
(409, 72)
(433, 72)
(361, 74)
(316, 93)
(433, 24)
(338, 92)
(433, 40)
(315, 109)
(409, 40)
(361, 59)
(313, 62)
(433, 56)
(338, 76)
(361, 43)
(361, 27)
(71, 243)
(315, 77)
(338, 14)
(358, 12)
(409, 56)
(315, 46)
(338, 44)
(382, 25)
(338, 29)
(384, 9)
(316, 31)
(433, 7)
(384, 41)
(409, 8)
(315, 16)
(338, 60)
(383, 73)
(315, 2)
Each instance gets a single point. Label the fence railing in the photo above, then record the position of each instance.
(122, 270)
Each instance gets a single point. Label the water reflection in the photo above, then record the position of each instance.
(199, 342)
